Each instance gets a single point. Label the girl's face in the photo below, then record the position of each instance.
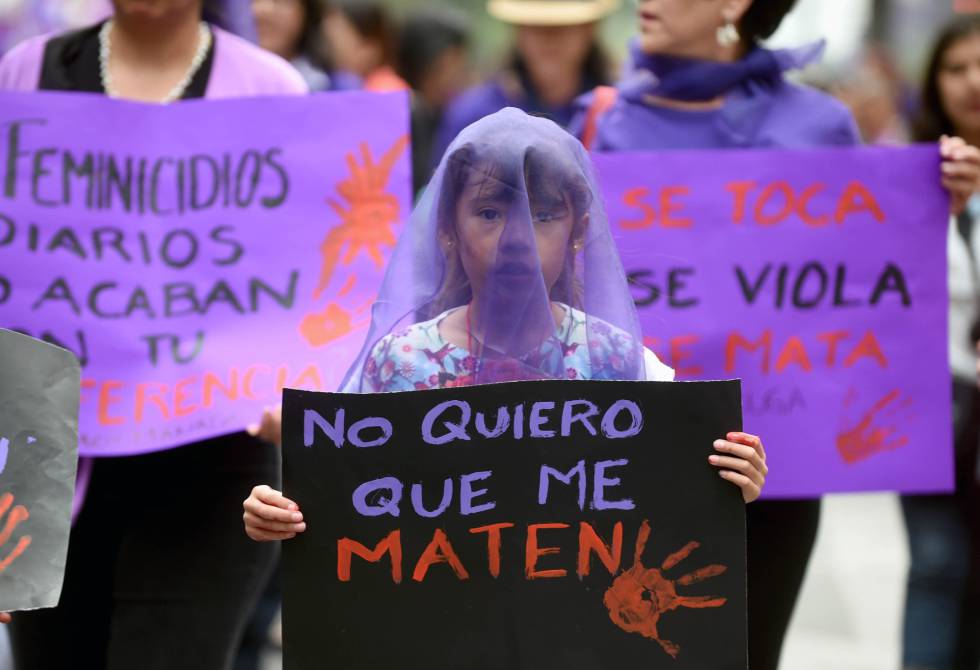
(686, 28)
(279, 24)
(496, 243)
(959, 85)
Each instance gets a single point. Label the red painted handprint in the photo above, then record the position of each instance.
(876, 430)
(640, 596)
(17, 515)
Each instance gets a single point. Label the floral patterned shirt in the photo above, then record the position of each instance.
(419, 358)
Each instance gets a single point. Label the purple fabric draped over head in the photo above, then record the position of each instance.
(511, 238)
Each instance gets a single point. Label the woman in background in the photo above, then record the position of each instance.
(153, 580)
(361, 39)
(942, 607)
(433, 60)
(293, 29)
(556, 58)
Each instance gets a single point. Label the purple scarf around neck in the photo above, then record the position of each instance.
(692, 80)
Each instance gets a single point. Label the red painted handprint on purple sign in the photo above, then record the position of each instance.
(878, 429)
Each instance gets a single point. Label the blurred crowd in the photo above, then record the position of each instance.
(554, 59)
(437, 50)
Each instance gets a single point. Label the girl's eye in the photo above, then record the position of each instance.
(488, 214)
(549, 215)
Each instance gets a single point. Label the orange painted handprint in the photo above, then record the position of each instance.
(640, 596)
(367, 221)
(875, 431)
(17, 515)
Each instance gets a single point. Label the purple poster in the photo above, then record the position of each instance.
(200, 257)
(819, 278)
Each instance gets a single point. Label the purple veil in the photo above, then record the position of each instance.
(511, 240)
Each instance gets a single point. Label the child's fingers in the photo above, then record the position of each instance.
(739, 465)
(270, 513)
(743, 452)
(749, 440)
(261, 523)
(270, 496)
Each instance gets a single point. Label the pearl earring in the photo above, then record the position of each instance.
(727, 34)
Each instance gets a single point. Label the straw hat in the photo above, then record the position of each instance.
(551, 12)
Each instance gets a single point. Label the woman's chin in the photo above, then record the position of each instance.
(653, 42)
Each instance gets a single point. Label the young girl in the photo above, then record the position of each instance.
(507, 271)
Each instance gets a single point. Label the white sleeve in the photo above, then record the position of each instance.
(656, 371)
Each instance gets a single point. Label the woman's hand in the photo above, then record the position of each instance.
(270, 516)
(4, 617)
(743, 463)
(269, 428)
(961, 171)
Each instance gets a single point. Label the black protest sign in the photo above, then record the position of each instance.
(39, 395)
(546, 524)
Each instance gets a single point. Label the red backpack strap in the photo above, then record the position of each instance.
(603, 98)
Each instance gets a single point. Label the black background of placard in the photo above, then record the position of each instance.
(512, 622)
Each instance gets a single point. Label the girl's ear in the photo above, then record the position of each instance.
(447, 241)
(578, 233)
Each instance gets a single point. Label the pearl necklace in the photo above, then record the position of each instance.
(177, 92)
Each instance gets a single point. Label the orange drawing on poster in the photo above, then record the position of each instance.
(320, 328)
(368, 212)
(17, 515)
(368, 218)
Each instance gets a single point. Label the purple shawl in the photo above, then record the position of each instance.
(760, 107)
